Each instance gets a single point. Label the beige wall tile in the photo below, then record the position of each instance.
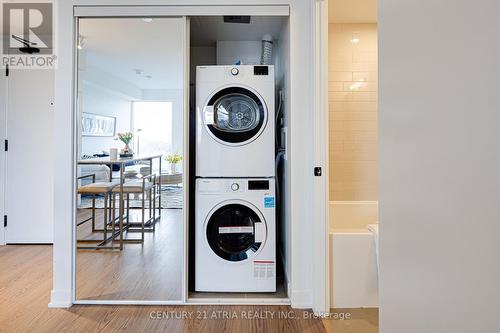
(364, 76)
(360, 96)
(353, 91)
(340, 76)
(364, 56)
(335, 86)
(360, 86)
(361, 67)
(339, 96)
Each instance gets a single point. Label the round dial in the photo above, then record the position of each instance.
(235, 186)
(235, 71)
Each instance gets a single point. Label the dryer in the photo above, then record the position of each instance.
(235, 235)
(235, 121)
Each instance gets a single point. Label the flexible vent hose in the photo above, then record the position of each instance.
(267, 50)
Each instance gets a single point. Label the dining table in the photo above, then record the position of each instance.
(122, 162)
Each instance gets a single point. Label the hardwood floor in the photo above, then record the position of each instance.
(26, 281)
(25, 284)
(149, 271)
(360, 321)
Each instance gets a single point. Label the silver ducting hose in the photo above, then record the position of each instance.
(266, 57)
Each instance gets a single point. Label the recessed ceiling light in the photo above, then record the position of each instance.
(147, 19)
(355, 40)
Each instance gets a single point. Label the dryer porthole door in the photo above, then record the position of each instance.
(235, 116)
(235, 231)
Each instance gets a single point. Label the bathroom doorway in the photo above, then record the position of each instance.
(353, 157)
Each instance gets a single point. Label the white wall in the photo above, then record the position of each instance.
(300, 154)
(96, 99)
(439, 166)
(229, 52)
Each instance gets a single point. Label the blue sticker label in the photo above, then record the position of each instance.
(268, 202)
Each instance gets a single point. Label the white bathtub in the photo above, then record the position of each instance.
(354, 278)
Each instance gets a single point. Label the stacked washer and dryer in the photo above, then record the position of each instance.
(235, 223)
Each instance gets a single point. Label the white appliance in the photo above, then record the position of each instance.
(235, 235)
(235, 121)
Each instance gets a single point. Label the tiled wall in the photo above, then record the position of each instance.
(352, 96)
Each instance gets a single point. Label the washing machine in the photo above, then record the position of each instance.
(235, 121)
(235, 247)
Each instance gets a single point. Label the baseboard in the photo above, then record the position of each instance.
(60, 299)
(301, 299)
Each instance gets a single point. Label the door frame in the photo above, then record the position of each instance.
(321, 248)
(301, 15)
(156, 11)
(96, 12)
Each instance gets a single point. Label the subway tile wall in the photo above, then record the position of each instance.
(352, 96)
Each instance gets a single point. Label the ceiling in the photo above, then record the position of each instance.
(206, 30)
(119, 46)
(352, 11)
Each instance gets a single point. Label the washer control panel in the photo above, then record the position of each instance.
(242, 185)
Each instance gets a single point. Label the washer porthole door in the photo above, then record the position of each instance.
(235, 232)
(237, 115)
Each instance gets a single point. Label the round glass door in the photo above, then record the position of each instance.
(231, 231)
(238, 115)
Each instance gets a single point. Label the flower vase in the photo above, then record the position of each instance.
(173, 168)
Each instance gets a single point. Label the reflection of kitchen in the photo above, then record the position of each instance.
(130, 152)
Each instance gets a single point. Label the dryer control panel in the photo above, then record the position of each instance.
(220, 185)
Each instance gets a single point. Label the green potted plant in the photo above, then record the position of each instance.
(173, 159)
(126, 138)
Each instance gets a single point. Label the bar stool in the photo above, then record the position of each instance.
(146, 186)
(99, 188)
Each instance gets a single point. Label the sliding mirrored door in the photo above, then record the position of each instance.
(129, 185)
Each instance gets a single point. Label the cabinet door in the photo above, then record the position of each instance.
(29, 166)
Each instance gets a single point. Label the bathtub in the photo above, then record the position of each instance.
(354, 271)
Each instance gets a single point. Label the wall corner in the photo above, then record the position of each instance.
(301, 299)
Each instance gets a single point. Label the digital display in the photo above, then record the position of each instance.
(258, 184)
(260, 70)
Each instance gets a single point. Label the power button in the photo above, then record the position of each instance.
(235, 71)
(235, 186)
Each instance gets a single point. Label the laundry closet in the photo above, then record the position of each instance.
(230, 91)
(238, 121)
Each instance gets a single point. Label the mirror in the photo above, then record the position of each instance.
(129, 187)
